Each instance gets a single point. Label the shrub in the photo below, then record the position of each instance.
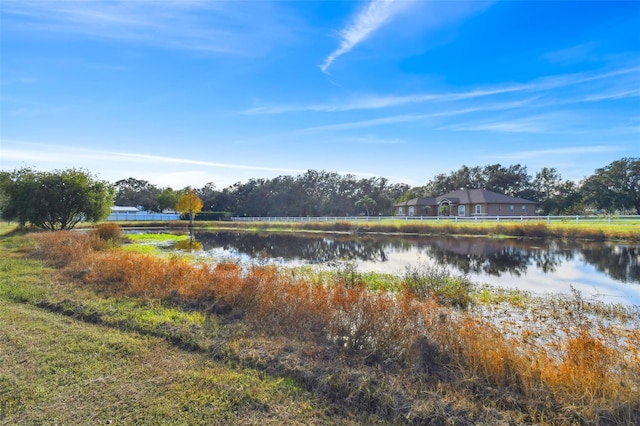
(426, 281)
(213, 216)
(108, 232)
(64, 248)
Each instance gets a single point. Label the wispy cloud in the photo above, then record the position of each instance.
(545, 153)
(629, 93)
(406, 118)
(57, 153)
(579, 53)
(544, 123)
(528, 125)
(619, 77)
(375, 15)
(365, 102)
(371, 140)
(161, 170)
(395, 119)
(556, 122)
(566, 80)
(221, 27)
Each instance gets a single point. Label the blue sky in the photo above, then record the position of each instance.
(188, 92)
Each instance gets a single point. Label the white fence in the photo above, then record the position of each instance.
(123, 217)
(455, 219)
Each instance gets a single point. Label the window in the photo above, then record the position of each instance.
(478, 209)
(400, 210)
(461, 211)
(512, 209)
(524, 209)
(411, 211)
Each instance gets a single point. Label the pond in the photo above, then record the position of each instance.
(605, 271)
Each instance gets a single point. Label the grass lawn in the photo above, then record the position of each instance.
(58, 370)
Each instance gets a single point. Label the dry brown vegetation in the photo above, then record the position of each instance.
(405, 356)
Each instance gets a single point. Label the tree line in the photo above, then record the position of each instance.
(610, 189)
(63, 198)
(314, 193)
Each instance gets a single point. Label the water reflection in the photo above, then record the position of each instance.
(311, 248)
(473, 256)
(189, 245)
(619, 262)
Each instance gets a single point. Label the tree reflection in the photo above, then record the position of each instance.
(618, 261)
(477, 257)
(313, 249)
(190, 245)
(468, 255)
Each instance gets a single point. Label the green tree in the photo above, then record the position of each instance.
(168, 199)
(409, 195)
(189, 203)
(133, 192)
(555, 195)
(54, 200)
(208, 195)
(546, 185)
(366, 203)
(615, 187)
(513, 180)
(16, 189)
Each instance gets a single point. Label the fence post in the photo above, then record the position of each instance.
(577, 219)
(609, 220)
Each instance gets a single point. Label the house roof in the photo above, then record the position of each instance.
(124, 209)
(479, 196)
(420, 201)
(466, 196)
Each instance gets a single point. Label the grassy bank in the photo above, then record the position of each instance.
(330, 345)
(57, 370)
(594, 230)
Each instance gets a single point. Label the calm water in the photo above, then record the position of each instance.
(606, 271)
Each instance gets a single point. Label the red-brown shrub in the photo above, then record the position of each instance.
(108, 231)
(63, 248)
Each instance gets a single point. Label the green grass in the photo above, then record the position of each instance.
(141, 248)
(156, 238)
(486, 294)
(150, 243)
(55, 370)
